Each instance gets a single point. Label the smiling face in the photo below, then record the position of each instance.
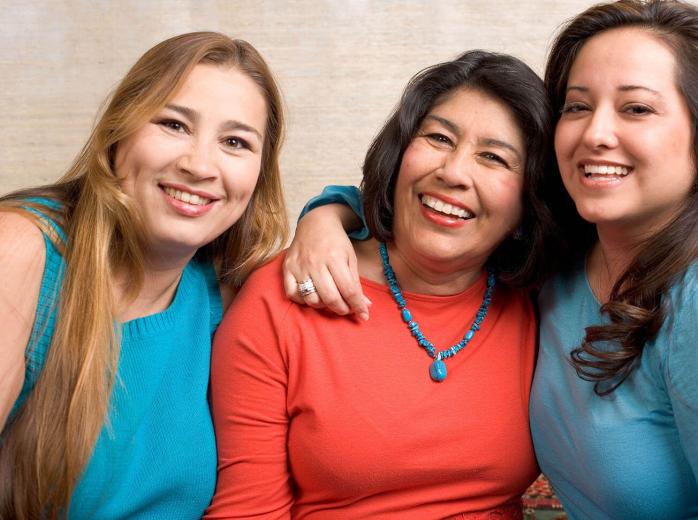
(624, 142)
(192, 168)
(459, 189)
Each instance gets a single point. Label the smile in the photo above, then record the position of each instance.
(184, 196)
(605, 171)
(445, 208)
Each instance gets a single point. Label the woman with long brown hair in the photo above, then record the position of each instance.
(115, 277)
(614, 404)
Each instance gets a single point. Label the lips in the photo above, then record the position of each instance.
(445, 208)
(185, 196)
(605, 171)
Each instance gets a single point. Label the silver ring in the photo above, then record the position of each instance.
(306, 287)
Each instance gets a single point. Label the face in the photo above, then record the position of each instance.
(458, 192)
(623, 142)
(192, 168)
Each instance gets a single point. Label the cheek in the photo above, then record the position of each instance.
(241, 177)
(564, 137)
(507, 197)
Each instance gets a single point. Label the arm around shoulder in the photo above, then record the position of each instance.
(22, 257)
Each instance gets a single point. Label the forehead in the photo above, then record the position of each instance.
(480, 114)
(225, 91)
(631, 55)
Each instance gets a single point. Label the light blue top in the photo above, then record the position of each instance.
(157, 457)
(633, 454)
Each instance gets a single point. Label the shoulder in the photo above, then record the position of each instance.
(260, 300)
(23, 247)
(22, 258)
(266, 281)
(678, 338)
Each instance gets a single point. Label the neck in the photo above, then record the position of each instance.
(415, 276)
(160, 281)
(609, 258)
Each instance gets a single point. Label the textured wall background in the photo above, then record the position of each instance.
(341, 66)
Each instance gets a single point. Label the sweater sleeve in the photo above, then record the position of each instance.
(681, 373)
(248, 400)
(347, 195)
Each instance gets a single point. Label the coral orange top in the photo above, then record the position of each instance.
(324, 417)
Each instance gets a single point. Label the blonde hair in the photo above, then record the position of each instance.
(47, 444)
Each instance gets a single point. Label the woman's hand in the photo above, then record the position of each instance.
(322, 251)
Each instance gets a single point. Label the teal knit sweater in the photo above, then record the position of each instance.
(155, 457)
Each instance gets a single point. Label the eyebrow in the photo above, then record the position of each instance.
(485, 141)
(622, 88)
(230, 124)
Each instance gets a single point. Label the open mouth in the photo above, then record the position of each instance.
(444, 208)
(185, 196)
(596, 171)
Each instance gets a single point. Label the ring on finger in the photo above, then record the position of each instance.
(306, 287)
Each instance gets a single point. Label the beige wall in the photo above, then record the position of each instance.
(341, 66)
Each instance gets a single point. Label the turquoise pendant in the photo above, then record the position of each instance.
(437, 370)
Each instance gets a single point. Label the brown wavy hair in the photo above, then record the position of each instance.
(46, 445)
(636, 307)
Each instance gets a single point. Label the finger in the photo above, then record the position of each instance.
(348, 284)
(328, 294)
(291, 287)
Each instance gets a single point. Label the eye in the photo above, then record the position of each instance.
(439, 139)
(173, 124)
(491, 156)
(574, 107)
(638, 109)
(236, 143)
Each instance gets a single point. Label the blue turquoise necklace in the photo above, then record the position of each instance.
(437, 370)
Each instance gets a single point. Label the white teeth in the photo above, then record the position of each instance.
(595, 169)
(445, 207)
(185, 196)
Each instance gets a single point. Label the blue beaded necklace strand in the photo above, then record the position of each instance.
(437, 370)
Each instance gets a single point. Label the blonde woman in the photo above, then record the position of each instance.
(111, 287)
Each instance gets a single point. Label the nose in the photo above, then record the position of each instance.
(600, 131)
(457, 170)
(196, 160)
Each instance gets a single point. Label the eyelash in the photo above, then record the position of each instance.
(494, 157)
(178, 126)
(171, 123)
(241, 143)
(573, 108)
(644, 109)
(576, 107)
(439, 138)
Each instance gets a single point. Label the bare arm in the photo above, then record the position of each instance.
(321, 250)
(22, 257)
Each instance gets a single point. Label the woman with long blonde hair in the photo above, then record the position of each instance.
(115, 277)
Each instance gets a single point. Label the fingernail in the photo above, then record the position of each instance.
(367, 301)
(363, 316)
